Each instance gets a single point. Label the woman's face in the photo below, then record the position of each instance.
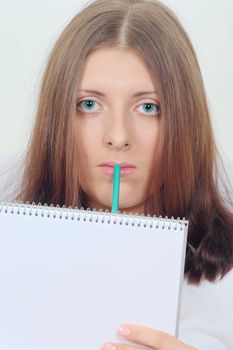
(116, 124)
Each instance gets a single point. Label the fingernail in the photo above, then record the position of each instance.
(108, 346)
(123, 330)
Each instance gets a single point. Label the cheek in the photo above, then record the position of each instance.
(150, 139)
(87, 139)
(151, 149)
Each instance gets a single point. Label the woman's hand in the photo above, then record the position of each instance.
(145, 336)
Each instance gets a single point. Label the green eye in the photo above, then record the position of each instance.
(87, 104)
(151, 108)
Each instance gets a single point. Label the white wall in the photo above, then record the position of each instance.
(29, 28)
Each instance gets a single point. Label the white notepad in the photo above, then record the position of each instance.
(69, 277)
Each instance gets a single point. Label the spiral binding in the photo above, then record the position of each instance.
(92, 215)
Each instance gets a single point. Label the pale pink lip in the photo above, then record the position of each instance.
(126, 170)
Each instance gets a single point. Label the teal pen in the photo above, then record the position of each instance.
(116, 188)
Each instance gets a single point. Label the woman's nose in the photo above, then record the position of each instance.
(117, 133)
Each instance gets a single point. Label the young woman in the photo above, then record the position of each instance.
(123, 85)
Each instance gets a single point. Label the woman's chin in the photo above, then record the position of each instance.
(124, 206)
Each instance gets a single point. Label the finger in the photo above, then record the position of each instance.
(118, 346)
(151, 337)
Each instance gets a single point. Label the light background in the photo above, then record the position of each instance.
(29, 28)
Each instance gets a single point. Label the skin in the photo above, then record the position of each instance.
(119, 127)
(145, 336)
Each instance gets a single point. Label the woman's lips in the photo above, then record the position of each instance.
(109, 170)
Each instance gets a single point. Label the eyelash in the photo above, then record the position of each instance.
(145, 103)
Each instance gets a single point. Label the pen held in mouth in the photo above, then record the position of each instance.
(116, 188)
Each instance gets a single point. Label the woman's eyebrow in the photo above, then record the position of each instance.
(138, 93)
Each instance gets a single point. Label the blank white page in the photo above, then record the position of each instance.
(67, 281)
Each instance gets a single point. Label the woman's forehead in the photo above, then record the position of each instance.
(121, 68)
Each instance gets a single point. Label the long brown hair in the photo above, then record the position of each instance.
(185, 183)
